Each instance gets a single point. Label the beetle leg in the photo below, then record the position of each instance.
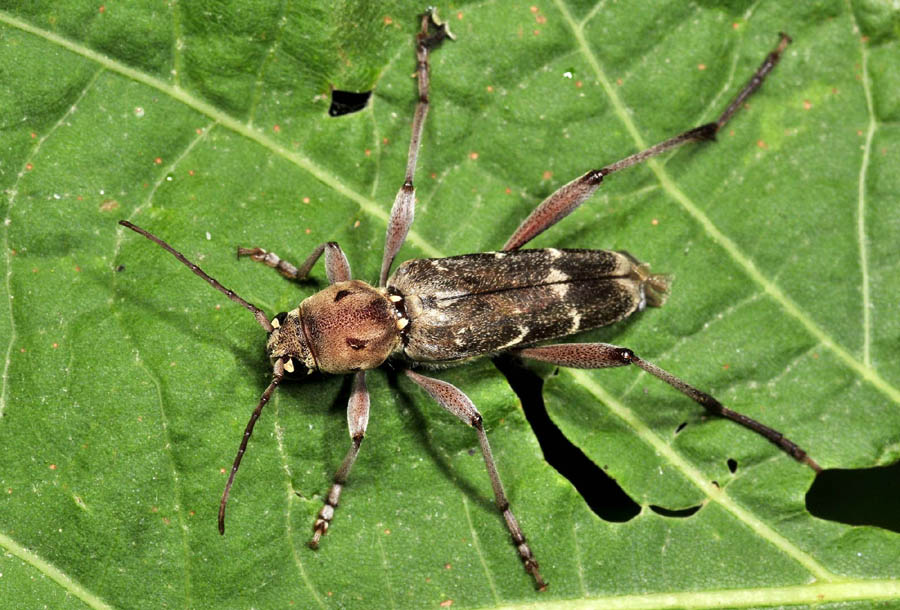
(603, 355)
(453, 400)
(337, 268)
(564, 201)
(357, 420)
(403, 210)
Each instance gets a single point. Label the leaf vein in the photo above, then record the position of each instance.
(861, 200)
(812, 595)
(52, 572)
(477, 545)
(176, 479)
(291, 498)
(12, 192)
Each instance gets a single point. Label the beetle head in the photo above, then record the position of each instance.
(288, 343)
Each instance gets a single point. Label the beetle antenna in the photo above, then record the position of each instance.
(708, 131)
(277, 376)
(256, 311)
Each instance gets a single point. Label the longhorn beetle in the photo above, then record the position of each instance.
(437, 312)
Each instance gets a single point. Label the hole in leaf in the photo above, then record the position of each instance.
(601, 492)
(680, 427)
(347, 102)
(732, 465)
(865, 496)
(680, 513)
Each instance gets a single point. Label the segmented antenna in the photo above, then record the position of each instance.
(277, 375)
(258, 313)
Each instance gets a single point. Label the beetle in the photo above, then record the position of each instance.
(446, 311)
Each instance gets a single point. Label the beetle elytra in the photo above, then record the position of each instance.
(437, 312)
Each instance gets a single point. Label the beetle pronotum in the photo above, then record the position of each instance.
(445, 311)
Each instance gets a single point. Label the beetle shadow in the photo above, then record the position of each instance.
(602, 493)
(417, 423)
(864, 496)
(331, 414)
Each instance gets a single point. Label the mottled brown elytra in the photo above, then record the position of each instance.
(438, 312)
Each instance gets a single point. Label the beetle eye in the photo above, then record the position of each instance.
(280, 317)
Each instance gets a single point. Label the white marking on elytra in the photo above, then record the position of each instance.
(402, 323)
(576, 321)
(523, 330)
(554, 253)
(499, 254)
(554, 276)
(560, 290)
(556, 279)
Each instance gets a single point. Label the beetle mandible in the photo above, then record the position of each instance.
(437, 312)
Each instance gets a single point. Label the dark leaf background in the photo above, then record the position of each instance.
(127, 382)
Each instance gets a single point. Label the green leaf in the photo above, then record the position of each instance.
(127, 382)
